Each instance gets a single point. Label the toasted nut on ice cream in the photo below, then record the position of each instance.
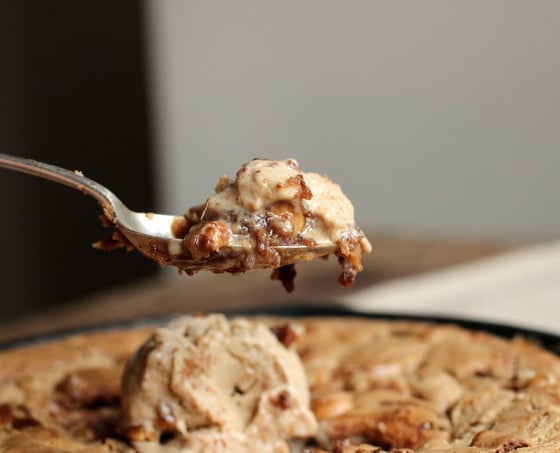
(208, 384)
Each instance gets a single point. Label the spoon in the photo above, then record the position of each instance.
(152, 234)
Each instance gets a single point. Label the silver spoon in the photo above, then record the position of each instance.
(150, 233)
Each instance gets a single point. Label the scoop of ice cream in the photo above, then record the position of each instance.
(209, 384)
(262, 184)
(273, 203)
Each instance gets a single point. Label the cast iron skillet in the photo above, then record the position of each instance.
(547, 340)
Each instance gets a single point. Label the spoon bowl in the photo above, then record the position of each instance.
(151, 233)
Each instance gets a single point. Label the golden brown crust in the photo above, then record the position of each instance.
(402, 385)
(376, 386)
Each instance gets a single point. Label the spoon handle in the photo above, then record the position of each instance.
(74, 179)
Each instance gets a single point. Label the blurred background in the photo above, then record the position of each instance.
(435, 117)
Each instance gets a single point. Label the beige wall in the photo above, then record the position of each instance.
(432, 115)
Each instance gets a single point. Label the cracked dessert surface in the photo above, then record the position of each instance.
(374, 386)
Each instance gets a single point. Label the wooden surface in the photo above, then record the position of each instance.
(393, 257)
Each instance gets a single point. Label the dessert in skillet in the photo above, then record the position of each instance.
(341, 385)
(271, 205)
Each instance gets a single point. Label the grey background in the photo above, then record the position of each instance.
(434, 116)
